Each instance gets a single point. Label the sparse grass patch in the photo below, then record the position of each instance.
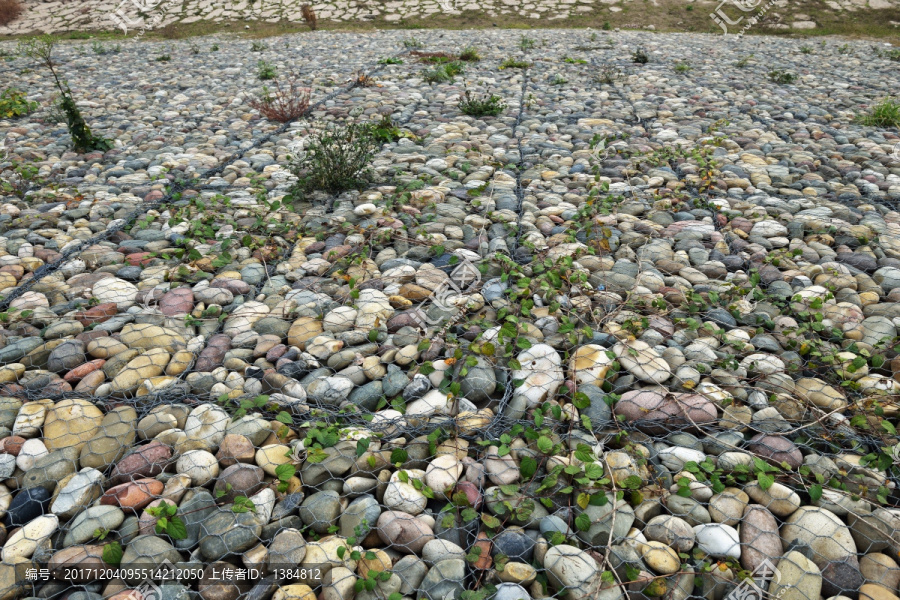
(98, 48)
(390, 60)
(480, 106)
(526, 43)
(258, 47)
(469, 54)
(607, 75)
(743, 62)
(682, 67)
(412, 43)
(782, 77)
(805, 49)
(640, 57)
(443, 73)
(558, 80)
(512, 63)
(884, 114)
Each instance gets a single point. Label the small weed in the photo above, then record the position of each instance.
(385, 131)
(690, 8)
(336, 159)
(743, 62)
(469, 54)
(438, 59)
(412, 43)
(390, 60)
(265, 71)
(884, 114)
(193, 47)
(607, 75)
(640, 57)
(606, 26)
(844, 49)
(14, 103)
(893, 54)
(214, 48)
(574, 61)
(806, 49)
(682, 67)
(558, 80)
(363, 80)
(480, 106)
(512, 63)
(163, 58)
(782, 77)
(258, 47)
(526, 43)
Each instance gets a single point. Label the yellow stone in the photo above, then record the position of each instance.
(143, 335)
(105, 347)
(7, 280)
(303, 330)
(271, 457)
(149, 364)
(516, 572)
(11, 372)
(156, 384)
(379, 561)
(180, 362)
(71, 423)
(294, 592)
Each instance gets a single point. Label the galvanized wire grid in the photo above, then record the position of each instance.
(397, 405)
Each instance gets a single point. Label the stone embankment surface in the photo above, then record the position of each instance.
(636, 334)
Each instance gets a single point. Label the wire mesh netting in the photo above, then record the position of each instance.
(601, 344)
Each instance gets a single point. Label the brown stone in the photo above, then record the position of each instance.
(212, 356)
(12, 445)
(235, 286)
(179, 301)
(97, 314)
(91, 382)
(77, 563)
(403, 531)
(146, 461)
(134, 495)
(235, 449)
(759, 537)
(776, 449)
(81, 371)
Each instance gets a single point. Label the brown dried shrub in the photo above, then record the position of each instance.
(309, 15)
(9, 11)
(286, 102)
